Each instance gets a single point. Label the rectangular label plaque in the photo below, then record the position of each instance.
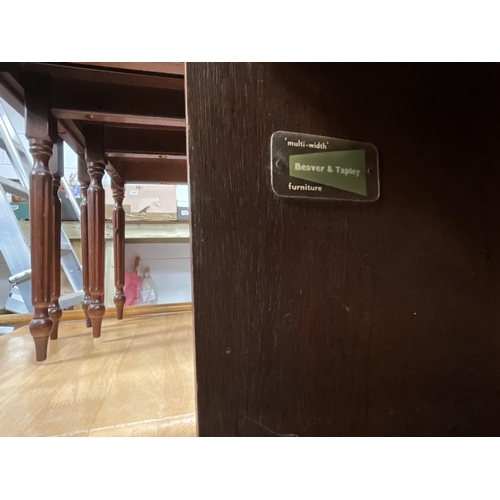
(313, 166)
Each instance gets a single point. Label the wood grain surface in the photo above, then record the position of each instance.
(136, 380)
(337, 318)
(174, 68)
(78, 314)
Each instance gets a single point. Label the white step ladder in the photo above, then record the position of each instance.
(13, 245)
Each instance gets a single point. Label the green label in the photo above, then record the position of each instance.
(344, 170)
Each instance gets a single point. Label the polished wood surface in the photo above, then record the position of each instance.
(119, 247)
(337, 318)
(116, 99)
(122, 120)
(154, 169)
(95, 158)
(72, 134)
(78, 314)
(40, 131)
(158, 142)
(136, 380)
(138, 101)
(83, 178)
(11, 91)
(169, 68)
(55, 311)
(103, 75)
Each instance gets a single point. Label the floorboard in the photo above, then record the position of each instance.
(136, 380)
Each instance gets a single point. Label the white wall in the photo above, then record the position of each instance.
(170, 267)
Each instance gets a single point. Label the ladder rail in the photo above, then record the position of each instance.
(72, 200)
(14, 188)
(19, 158)
(70, 263)
(13, 245)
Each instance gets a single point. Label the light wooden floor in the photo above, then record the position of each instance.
(136, 380)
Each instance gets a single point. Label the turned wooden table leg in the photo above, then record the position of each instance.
(94, 156)
(55, 311)
(119, 246)
(84, 180)
(40, 132)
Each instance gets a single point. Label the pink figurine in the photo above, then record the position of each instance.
(132, 284)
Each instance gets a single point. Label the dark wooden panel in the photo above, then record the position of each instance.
(89, 97)
(122, 120)
(168, 68)
(159, 141)
(104, 75)
(331, 318)
(164, 171)
(71, 133)
(12, 92)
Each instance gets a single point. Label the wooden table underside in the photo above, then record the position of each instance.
(119, 118)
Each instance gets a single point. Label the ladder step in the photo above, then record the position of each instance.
(15, 302)
(14, 188)
(20, 277)
(71, 299)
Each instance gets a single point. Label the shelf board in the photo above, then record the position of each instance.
(135, 232)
